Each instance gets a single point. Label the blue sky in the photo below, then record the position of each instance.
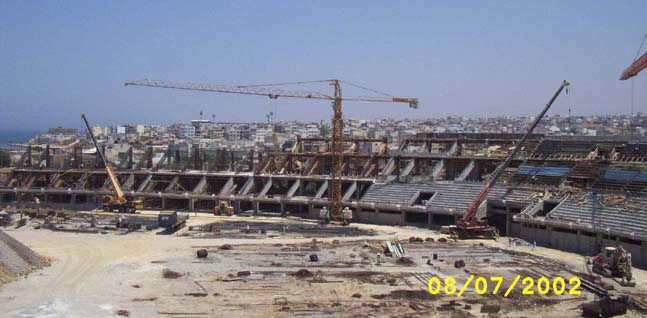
(473, 58)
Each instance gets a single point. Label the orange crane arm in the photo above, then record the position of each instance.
(121, 197)
(635, 68)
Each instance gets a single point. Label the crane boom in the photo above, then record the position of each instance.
(635, 68)
(337, 120)
(468, 223)
(120, 196)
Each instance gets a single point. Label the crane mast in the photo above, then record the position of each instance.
(337, 119)
(468, 226)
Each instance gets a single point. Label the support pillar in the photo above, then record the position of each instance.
(237, 207)
(508, 219)
(256, 207)
(163, 203)
(191, 204)
(283, 212)
(550, 236)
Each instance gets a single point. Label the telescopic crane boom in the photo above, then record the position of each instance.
(337, 120)
(118, 201)
(468, 226)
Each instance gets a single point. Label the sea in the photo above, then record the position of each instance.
(16, 136)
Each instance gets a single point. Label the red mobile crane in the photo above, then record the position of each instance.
(469, 226)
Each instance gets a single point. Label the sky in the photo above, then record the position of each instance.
(59, 59)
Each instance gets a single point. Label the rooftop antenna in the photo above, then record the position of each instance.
(200, 115)
(213, 118)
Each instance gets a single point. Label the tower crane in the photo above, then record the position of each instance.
(337, 119)
(469, 226)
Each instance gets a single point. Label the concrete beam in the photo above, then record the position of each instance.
(466, 171)
(227, 187)
(266, 187)
(322, 190)
(293, 189)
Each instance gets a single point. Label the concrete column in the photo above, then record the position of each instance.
(550, 236)
(163, 203)
(508, 218)
(256, 207)
(311, 210)
(191, 204)
(402, 217)
(643, 253)
(283, 213)
(579, 241)
(429, 219)
(237, 207)
(73, 201)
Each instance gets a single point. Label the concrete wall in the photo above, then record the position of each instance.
(582, 244)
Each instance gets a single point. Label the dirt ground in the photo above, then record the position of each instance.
(107, 275)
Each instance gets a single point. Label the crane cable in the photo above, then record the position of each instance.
(632, 79)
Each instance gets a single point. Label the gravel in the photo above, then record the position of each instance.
(16, 258)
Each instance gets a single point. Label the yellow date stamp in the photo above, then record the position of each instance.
(492, 285)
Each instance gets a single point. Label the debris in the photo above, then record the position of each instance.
(394, 249)
(196, 294)
(404, 294)
(605, 307)
(136, 286)
(314, 258)
(357, 295)
(490, 308)
(243, 273)
(406, 261)
(122, 312)
(442, 240)
(202, 253)
(414, 239)
(335, 242)
(167, 273)
(459, 264)
(302, 273)
(145, 299)
(429, 239)
(280, 301)
(225, 247)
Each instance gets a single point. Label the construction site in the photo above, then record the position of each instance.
(489, 217)
(248, 239)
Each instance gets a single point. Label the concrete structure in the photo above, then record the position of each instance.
(574, 194)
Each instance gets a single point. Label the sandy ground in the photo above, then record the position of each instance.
(95, 275)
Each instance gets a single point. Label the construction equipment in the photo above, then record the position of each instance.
(117, 202)
(614, 262)
(224, 208)
(337, 119)
(469, 226)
